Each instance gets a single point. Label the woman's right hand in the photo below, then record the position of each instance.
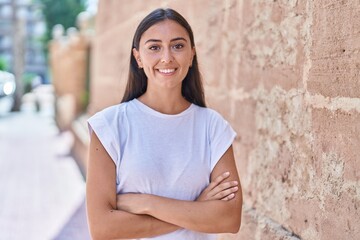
(219, 190)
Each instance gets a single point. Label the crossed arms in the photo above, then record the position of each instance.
(111, 216)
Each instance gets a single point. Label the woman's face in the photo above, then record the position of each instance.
(165, 54)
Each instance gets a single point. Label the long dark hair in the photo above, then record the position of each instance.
(192, 88)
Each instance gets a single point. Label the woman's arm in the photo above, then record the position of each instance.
(105, 222)
(219, 189)
(204, 216)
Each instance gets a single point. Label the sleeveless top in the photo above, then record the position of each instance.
(165, 155)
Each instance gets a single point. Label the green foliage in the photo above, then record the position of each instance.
(85, 98)
(62, 12)
(27, 79)
(3, 64)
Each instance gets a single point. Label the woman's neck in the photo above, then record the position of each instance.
(165, 102)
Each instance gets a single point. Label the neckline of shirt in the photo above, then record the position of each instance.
(143, 107)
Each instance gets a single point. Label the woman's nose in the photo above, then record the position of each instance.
(167, 56)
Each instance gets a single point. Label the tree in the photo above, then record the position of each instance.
(62, 12)
(3, 64)
(18, 35)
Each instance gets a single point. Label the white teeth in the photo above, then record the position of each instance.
(166, 70)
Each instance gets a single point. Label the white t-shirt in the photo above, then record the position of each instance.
(165, 155)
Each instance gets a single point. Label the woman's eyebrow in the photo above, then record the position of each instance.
(178, 38)
(172, 40)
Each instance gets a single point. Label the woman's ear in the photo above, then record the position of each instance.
(136, 55)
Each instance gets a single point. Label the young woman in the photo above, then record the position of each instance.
(161, 164)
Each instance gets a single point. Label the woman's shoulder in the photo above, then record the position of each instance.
(211, 117)
(113, 111)
(116, 108)
(209, 113)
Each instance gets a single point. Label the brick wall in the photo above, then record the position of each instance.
(286, 76)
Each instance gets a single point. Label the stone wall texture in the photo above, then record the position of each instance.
(286, 75)
(68, 61)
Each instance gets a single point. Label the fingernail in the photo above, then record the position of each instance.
(236, 188)
(235, 182)
(227, 173)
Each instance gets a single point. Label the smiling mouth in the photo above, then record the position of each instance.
(167, 71)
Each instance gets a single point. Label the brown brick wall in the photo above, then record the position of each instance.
(286, 75)
(335, 51)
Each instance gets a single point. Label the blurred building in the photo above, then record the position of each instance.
(33, 28)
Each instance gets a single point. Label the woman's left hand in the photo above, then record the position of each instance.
(131, 202)
(219, 189)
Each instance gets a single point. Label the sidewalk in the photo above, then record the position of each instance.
(42, 190)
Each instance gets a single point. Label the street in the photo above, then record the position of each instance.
(42, 192)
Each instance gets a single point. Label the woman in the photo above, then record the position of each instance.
(161, 164)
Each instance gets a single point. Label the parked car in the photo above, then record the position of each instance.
(7, 91)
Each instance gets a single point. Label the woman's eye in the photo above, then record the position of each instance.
(154, 48)
(178, 46)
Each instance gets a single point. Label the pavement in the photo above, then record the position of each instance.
(42, 191)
